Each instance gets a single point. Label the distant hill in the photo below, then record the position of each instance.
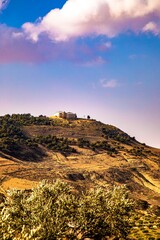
(84, 152)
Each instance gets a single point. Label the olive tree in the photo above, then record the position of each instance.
(55, 211)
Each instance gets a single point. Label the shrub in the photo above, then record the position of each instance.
(54, 143)
(53, 211)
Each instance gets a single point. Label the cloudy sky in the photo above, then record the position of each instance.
(96, 57)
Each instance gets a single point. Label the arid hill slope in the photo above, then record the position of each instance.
(83, 152)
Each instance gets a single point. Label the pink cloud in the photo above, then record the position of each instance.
(152, 27)
(14, 47)
(81, 18)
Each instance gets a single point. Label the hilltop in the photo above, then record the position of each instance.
(84, 152)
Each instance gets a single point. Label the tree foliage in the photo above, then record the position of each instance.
(54, 211)
(14, 141)
(56, 144)
(118, 135)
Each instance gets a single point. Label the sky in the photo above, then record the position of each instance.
(91, 57)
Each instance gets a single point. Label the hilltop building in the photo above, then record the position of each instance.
(65, 115)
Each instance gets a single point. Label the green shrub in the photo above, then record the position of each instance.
(53, 211)
(54, 143)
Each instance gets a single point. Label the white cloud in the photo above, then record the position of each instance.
(108, 44)
(3, 3)
(109, 84)
(80, 18)
(152, 27)
(94, 62)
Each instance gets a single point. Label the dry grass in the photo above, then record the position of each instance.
(18, 184)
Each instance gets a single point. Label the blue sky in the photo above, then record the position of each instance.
(96, 57)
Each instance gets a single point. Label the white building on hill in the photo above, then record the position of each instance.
(65, 115)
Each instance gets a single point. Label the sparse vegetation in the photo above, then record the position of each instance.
(137, 151)
(104, 145)
(55, 144)
(97, 146)
(118, 135)
(13, 141)
(140, 151)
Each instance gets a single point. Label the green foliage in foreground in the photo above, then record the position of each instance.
(54, 211)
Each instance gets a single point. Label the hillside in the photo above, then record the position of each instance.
(82, 152)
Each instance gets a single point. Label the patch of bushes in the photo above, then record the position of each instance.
(118, 135)
(54, 212)
(99, 145)
(104, 145)
(81, 142)
(138, 152)
(56, 144)
(14, 142)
